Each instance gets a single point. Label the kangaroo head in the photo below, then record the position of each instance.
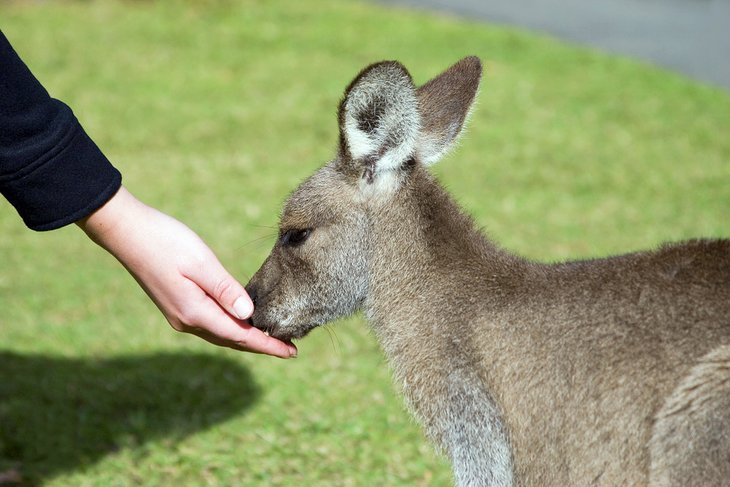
(318, 269)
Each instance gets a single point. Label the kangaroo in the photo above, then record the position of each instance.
(611, 371)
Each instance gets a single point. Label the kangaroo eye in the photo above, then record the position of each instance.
(294, 238)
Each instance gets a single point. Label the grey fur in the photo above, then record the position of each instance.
(611, 371)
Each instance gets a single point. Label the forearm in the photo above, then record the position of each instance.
(50, 170)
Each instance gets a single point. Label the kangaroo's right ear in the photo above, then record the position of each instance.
(379, 123)
(444, 104)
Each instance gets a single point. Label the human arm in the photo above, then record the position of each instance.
(180, 274)
(50, 169)
(54, 174)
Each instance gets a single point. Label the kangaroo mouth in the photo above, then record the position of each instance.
(288, 335)
(269, 329)
(283, 333)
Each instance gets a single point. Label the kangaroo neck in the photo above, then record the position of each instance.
(422, 247)
(427, 264)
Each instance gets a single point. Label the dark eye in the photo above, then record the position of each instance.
(294, 237)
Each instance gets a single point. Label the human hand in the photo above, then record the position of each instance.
(180, 274)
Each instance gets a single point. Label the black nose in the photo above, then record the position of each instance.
(253, 294)
(251, 291)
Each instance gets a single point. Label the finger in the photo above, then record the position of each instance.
(215, 326)
(292, 350)
(250, 346)
(220, 342)
(223, 288)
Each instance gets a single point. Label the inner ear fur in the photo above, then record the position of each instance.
(444, 103)
(379, 120)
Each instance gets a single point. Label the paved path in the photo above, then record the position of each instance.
(689, 36)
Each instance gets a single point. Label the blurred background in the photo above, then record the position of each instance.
(214, 110)
(689, 36)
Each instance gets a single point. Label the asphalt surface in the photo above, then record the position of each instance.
(688, 36)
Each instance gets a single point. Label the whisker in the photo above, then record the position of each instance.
(268, 227)
(334, 340)
(256, 240)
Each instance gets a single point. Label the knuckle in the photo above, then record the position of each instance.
(240, 341)
(188, 319)
(242, 345)
(223, 288)
(180, 326)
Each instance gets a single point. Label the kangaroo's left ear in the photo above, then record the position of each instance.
(379, 123)
(444, 103)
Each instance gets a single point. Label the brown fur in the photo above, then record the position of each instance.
(611, 371)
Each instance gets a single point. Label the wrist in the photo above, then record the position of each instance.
(105, 224)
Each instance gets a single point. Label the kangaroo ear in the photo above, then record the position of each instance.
(379, 122)
(444, 103)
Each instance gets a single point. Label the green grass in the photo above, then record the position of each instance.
(214, 111)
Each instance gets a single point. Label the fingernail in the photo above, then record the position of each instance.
(243, 308)
(293, 352)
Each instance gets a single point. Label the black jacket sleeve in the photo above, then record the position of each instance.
(50, 170)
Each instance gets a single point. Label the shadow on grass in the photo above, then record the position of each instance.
(59, 414)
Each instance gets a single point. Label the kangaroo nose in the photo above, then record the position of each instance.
(253, 294)
(251, 291)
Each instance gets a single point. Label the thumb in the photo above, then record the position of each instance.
(222, 287)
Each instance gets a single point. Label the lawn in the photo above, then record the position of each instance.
(213, 111)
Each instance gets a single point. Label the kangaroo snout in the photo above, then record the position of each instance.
(260, 318)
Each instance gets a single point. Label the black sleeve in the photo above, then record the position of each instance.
(50, 170)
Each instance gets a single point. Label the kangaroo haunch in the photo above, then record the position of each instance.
(612, 371)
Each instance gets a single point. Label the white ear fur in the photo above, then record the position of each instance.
(379, 120)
